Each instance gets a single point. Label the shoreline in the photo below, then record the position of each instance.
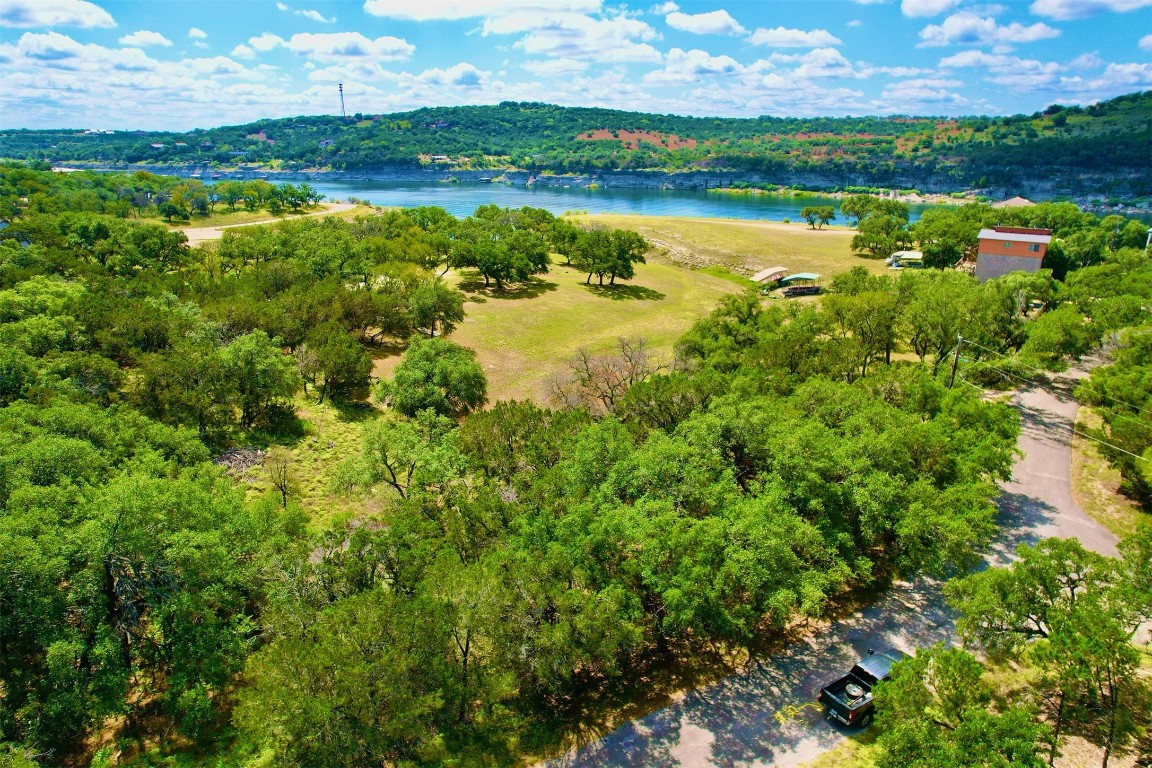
(731, 182)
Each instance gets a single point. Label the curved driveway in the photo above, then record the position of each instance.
(765, 714)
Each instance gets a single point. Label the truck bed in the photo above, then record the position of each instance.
(838, 695)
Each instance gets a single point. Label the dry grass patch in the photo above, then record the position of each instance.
(744, 247)
(1096, 483)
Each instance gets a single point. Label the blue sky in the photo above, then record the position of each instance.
(172, 64)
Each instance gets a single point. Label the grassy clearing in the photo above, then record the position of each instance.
(525, 334)
(1096, 483)
(226, 218)
(331, 433)
(211, 227)
(744, 247)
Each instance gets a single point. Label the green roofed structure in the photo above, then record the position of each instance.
(801, 284)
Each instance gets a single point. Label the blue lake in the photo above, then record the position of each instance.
(462, 199)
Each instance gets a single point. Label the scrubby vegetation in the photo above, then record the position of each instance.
(1109, 138)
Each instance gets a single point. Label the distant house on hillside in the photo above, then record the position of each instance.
(1010, 249)
(1014, 202)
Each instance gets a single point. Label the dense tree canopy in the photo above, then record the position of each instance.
(481, 566)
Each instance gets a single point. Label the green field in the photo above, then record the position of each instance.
(525, 335)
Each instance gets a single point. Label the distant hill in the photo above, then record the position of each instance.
(1103, 148)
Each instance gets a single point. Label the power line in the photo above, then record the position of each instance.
(1037, 370)
(1071, 428)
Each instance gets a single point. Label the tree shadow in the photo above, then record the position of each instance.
(353, 410)
(624, 292)
(473, 283)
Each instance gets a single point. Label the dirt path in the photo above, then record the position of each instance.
(197, 235)
(766, 715)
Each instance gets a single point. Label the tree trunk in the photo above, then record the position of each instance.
(1056, 730)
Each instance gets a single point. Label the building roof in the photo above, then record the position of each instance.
(1014, 202)
(1014, 237)
(772, 273)
(909, 255)
(801, 276)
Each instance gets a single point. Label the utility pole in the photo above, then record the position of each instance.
(342, 112)
(955, 360)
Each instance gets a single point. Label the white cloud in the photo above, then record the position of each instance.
(461, 75)
(308, 14)
(711, 23)
(574, 36)
(689, 66)
(197, 34)
(1065, 10)
(54, 51)
(922, 8)
(145, 37)
(1090, 60)
(217, 65)
(340, 46)
(316, 16)
(966, 28)
(1146, 43)
(793, 38)
(1010, 71)
(243, 52)
(855, 23)
(451, 10)
(266, 42)
(924, 91)
(555, 67)
(53, 13)
(663, 9)
(824, 62)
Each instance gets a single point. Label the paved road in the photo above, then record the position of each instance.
(765, 715)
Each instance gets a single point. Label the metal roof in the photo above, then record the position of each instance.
(801, 276)
(769, 274)
(879, 664)
(1013, 237)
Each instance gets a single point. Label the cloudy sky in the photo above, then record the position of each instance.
(174, 64)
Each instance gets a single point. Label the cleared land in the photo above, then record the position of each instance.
(525, 335)
(212, 228)
(741, 246)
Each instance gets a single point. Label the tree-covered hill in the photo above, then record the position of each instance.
(1110, 140)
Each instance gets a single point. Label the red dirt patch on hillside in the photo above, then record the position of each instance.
(632, 139)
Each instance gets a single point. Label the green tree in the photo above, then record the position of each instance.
(440, 375)
(432, 304)
(338, 360)
(367, 685)
(821, 214)
(263, 374)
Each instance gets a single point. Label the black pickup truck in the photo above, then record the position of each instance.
(849, 699)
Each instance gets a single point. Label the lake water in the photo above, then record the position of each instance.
(462, 199)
